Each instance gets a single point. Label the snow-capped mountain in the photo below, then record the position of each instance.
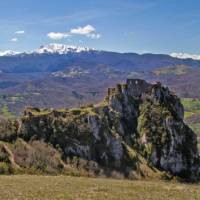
(55, 48)
(50, 49)
(185, 56)
(61, 49)
(9, 53)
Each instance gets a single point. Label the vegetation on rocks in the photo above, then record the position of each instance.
(136, 132)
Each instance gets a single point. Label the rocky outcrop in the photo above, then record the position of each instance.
(153, 116)
(138, 130)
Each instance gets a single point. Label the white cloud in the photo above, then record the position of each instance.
(20, 32)
(88, 31)
(94, 35)
(57, 36)
(14, 40)
(83, 30)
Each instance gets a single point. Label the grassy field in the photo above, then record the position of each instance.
(27, 187)
(192, 114)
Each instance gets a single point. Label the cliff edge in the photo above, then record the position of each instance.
(136, 131)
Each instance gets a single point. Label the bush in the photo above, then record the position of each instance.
(4, 168)
(76, 112)
(3, 156)
(37, 156)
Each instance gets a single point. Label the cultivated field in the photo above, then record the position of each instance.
(26, 187)
(192, 115)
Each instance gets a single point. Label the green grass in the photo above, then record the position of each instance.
(192, 114)
(191, 104)
(26, 187)
(6, 113)
(188, 114)
(42, 112)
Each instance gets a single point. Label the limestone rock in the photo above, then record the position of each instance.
(138, 124)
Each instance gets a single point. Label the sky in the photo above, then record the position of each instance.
(153, 26)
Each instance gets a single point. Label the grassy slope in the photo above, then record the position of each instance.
(192, 114)
(63, 187)
(173, 70)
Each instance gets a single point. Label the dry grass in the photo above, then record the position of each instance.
(26, 187)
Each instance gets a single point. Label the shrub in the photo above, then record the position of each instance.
(4, 168)
(37, 156)
(76, 111)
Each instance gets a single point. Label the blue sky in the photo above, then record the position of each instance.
(157, 26)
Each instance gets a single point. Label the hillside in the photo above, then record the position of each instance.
(137, 131)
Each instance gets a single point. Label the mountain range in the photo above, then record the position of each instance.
(79, 75)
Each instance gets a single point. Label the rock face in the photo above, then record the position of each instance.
(153, 116)
(138, 130)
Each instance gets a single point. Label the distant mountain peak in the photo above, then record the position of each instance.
(9, 53)
(185, 56)
(50, 49)
(61, 49)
